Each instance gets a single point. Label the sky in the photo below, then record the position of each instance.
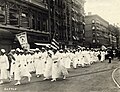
(107, 9)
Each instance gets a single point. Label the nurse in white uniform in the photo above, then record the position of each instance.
(48, 66)
(4, 65)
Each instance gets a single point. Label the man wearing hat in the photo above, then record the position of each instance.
(4, 65)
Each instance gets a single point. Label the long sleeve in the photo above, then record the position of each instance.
(7, 62)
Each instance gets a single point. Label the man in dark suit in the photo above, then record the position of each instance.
(110, 55)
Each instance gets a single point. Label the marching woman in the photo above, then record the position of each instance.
(11, 59)
(24, 72)
(55, 66)
(67, 60)
(28, 59)
(38, 63)
(102, 56)
(31, 62)
(85, 58)
(17, 76)
(63, 69)
(75, 59)
(96, 55)
(80, 63)
(21, 68)
(43, 59)
(4, 66)
(58, 69)
(48, 66)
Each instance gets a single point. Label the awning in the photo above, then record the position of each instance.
(43, 44)
(6, 34)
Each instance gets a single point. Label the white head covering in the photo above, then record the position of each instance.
(37, 49)
(3, 50)
(61, 50)
(50, 51)
(18, 49)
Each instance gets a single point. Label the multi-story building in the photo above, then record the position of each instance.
(114, 36)
(77, 24)
(67, 21)
(42, 20)
(96, 31)
(18, 16)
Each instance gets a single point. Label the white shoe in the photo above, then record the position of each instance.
(38, 76)
(18, 83)
(64, 78)
(53, 80)
(29, 79)
(45, 79)
(10, 79)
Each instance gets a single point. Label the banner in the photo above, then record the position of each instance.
(25, 46)
(22, 38)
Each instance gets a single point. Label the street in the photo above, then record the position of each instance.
(95, 78)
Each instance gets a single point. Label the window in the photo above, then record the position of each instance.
(39, 23)
(98, 34)
(98, 22)
(98, 41)
(25, 19)
(93, 27)
(44, 23)
(14, 17)
(93, 21)
(33, 18)
(93, 34)
(2, 14)
(94, 41)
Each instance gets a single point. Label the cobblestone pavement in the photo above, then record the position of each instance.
(95, 78)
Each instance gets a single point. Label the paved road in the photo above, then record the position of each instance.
(96, 78)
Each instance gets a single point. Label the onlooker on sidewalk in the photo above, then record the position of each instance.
(110, 55)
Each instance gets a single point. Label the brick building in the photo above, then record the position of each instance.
(96, 31)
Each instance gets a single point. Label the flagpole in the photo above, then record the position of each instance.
(54, 20)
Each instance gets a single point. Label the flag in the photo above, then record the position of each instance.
(54, 44)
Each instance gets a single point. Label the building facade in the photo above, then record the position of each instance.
(67, 21)
(96, 31)
(42, 20)
(77, 23)
(23, 16)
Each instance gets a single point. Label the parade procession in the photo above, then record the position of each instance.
(59, 46)
(47, 61)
